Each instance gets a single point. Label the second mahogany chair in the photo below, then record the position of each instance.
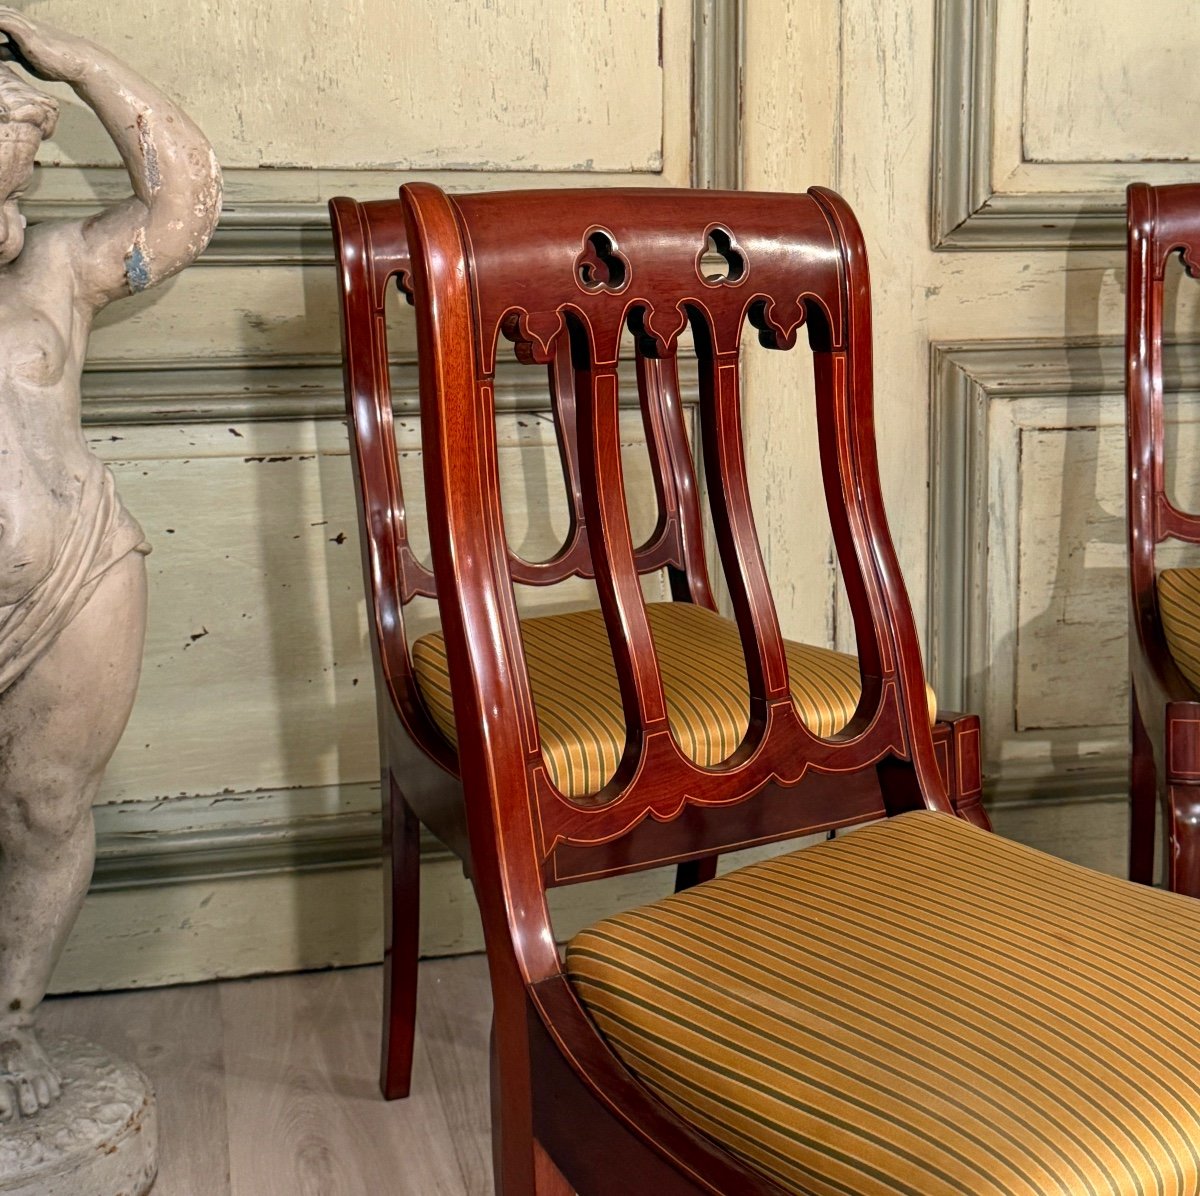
(917, 1007)
(582, 722)
(1164, 639)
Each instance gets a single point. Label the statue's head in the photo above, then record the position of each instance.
(27, 117)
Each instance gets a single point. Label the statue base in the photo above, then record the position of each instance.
(100, 1138)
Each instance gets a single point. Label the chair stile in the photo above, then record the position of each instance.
(1165, 711)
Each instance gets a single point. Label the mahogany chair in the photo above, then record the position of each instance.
(1164, 641)
(420, 767)
(919, 1006)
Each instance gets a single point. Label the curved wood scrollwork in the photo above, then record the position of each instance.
(583, 266)
(720, 242)
(533, 334)
(1189, 256)
(601, 266)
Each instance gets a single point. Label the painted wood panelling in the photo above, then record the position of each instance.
(313, 100)
(279, 918)
(789, 142)
(1090, 96)
(382, 86)
(1067, 104)
(985, 145)
(989, 223)
(267, 657)
(1035, 130)
(1029, 598)
(1044, 113)
(235, 313)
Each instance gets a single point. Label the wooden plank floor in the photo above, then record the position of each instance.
(267, 1087)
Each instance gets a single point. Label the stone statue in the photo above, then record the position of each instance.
(72, 571)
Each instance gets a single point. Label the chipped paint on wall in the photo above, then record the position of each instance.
(522, 85)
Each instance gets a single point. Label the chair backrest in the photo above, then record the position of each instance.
(1161, 221)
(544, 269)
(372, 251)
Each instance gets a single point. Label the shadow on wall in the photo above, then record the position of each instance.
(1070, 650)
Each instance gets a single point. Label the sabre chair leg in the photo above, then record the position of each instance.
(521, 1166)
(962, 766)
(547, 1179)
(402, 920)
(1143, 799)
(514, 1167)
(898, 785)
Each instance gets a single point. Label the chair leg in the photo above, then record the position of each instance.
(956, 745)
(694, 872)
(547, 1179)
(402, 923)
(521, 1166)
(515, 1169)
(1183, 852)
(898, 785)
(1143, 794)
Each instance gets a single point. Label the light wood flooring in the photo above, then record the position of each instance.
(268, 1087)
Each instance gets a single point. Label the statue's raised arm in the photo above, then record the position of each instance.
(176, 199)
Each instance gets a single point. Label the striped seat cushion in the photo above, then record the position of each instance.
(574, 684)
(918, 1007)
(1179, 607)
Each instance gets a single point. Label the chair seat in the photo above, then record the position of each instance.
(574, 684)
(1179, 606)
(917, 1007)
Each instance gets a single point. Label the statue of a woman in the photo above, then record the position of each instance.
(72, 572)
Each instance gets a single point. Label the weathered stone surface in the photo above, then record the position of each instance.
(72, 575)
(98, 1139)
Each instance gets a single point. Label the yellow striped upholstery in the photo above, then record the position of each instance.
(578, 702)
(918, 1007)
(1179, 606)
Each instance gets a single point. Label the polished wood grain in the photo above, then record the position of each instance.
(419, 769)
(1164, 710)
(580, 268)
(264, 1086)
